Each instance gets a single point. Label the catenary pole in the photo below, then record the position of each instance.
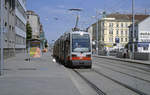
(1, 36)
(97, 34)
(133, 28)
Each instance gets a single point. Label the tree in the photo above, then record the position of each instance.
(46, 44)
(126, 46)
(28, 32)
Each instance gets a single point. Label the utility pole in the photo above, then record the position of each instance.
(97, 32)
(1, 36)
(133, 22)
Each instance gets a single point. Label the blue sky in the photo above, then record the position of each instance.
(48, 10)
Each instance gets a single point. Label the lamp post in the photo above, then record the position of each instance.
(1, 36)
(97, 29)
(133, 22)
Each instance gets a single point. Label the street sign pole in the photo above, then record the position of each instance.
(1, 36)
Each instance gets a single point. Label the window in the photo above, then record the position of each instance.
(145, 48)
(110, 31)
(6, 4)
(117, 32)
(111, 24)
(117, 25)
(110, 39)
(126, 39)
(121, 24)
(121, 39)
(121, 32)
(126, 33)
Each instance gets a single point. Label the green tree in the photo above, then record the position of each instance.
(126, 46)
(28, 32)
(46, 44)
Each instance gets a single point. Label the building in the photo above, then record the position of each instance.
(113, 31)
(141, 34)
(90, 31)
(42, 37)
(8, 10)
(20, 25)
(34, 21)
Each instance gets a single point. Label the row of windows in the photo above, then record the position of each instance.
(20, 40)
(21, 9)
(11, 4)
(120, 39)
(119, 25)
(118, 32)
(20, 24)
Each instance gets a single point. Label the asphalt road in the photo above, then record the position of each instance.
(43, 76)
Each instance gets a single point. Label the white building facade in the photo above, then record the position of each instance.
(20, 22)
(8, 11)
(34, 22)
(142, 36)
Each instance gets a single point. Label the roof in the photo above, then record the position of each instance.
(139, 18)
(118, 16)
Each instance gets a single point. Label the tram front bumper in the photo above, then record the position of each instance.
(81, 63)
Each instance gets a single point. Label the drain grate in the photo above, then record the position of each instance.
(26, 69)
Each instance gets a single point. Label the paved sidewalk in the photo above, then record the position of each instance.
(125, 59)
(40, 76)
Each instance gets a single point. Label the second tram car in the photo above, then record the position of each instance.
(73, 49)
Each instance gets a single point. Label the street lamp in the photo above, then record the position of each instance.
(133, 22)
(1, 36)
(97, 34)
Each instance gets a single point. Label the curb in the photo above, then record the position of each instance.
(118, 59)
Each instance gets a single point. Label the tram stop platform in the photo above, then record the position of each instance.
(39, 76)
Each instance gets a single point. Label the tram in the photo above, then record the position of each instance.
(73, 49)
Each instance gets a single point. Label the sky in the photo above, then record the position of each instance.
(57, 19)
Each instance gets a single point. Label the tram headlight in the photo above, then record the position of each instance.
(81, 33)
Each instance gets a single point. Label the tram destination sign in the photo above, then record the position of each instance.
(144, 36)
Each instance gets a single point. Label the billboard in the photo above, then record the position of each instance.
(144, 36)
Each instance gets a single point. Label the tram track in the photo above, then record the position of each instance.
(120, 83)
(139, 68)
(93, 86)
(136, 77)
(126, 68)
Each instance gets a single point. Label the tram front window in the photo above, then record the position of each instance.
(80, 43)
